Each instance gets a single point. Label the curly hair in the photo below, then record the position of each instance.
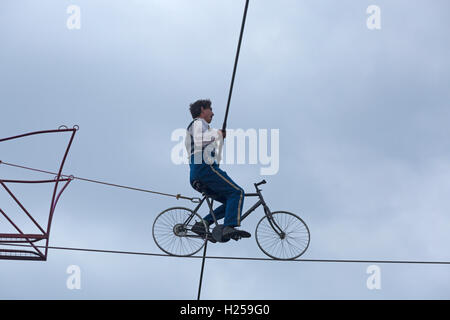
(196, 107)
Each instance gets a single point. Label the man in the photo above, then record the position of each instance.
(200, 143)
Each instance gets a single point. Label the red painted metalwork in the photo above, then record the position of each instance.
(20, 237)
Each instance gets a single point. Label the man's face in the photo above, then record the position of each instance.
(207, 114)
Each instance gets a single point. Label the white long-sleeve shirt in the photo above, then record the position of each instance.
(202, 134)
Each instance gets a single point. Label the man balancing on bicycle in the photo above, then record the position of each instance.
(205, 173)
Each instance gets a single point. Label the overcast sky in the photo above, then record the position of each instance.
(362, 118)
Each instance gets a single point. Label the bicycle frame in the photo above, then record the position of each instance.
(260, 202)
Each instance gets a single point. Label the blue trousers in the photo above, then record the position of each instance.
(223, 189)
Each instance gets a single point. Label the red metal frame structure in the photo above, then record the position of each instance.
(21, 238)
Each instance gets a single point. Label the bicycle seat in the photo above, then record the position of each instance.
(202, 188)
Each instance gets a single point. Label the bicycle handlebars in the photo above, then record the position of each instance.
(259, 183)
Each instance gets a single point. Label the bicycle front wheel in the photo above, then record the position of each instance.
(283, 236)
(172, 232)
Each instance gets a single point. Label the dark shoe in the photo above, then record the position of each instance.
(210, 238)
(235, 234)
(199, 228)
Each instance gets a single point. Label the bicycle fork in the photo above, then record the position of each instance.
(272, 222)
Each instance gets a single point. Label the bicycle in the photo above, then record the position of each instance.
(280, 235)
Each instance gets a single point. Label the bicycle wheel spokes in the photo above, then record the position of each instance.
(173, 236)
(290, 243)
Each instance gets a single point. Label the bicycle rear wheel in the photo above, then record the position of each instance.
(174, 236)
(288, 243)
